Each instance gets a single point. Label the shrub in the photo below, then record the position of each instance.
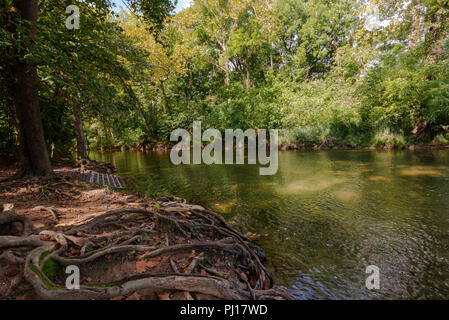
(389, 139)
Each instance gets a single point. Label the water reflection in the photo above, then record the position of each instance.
(326, 215)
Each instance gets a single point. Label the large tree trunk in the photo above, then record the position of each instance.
(35, 159)
(81, 150)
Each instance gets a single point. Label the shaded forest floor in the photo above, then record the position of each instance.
(126, 246)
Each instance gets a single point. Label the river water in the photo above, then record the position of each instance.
(326, 215)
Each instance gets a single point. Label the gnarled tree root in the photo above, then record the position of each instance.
(8, 216)
(93, 245)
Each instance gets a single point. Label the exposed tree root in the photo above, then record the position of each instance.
(131, 234)
(10, 257)
(29, 241)
(8, 217)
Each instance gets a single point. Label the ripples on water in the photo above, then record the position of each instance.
(326, 216)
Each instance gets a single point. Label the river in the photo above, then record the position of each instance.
(325, 216)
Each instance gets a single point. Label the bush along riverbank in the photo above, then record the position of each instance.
(125, 246)
(317, 139)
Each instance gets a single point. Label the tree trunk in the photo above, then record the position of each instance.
(35, 160)
(97, 133)
(144, 118)
(81, 151)
(415, 32)
(248, 77)
(111, 132)
(153, 111)
(227, 79)
(164, 95)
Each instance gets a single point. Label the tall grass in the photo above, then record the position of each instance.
(387, 138)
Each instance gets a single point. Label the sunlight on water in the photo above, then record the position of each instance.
(226, 207)
(422, 171)
(379, 178)
(346, 195)
(309, 185)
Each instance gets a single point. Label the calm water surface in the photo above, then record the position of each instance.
(326, 216)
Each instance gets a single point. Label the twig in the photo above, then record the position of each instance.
(173, 265)
(194, 262)
(215, 272)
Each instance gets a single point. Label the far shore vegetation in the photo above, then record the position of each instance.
(345, 73)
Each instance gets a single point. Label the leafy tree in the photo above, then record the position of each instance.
(19, 27)
(64, 63)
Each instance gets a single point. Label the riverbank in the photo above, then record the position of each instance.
(291, 146)
(126, 246)
(287, 147)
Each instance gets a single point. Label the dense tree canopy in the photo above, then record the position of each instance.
(344, 72)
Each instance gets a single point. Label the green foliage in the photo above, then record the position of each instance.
(321, 71)
(403, 89)
(441, 139)
(386, 138)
